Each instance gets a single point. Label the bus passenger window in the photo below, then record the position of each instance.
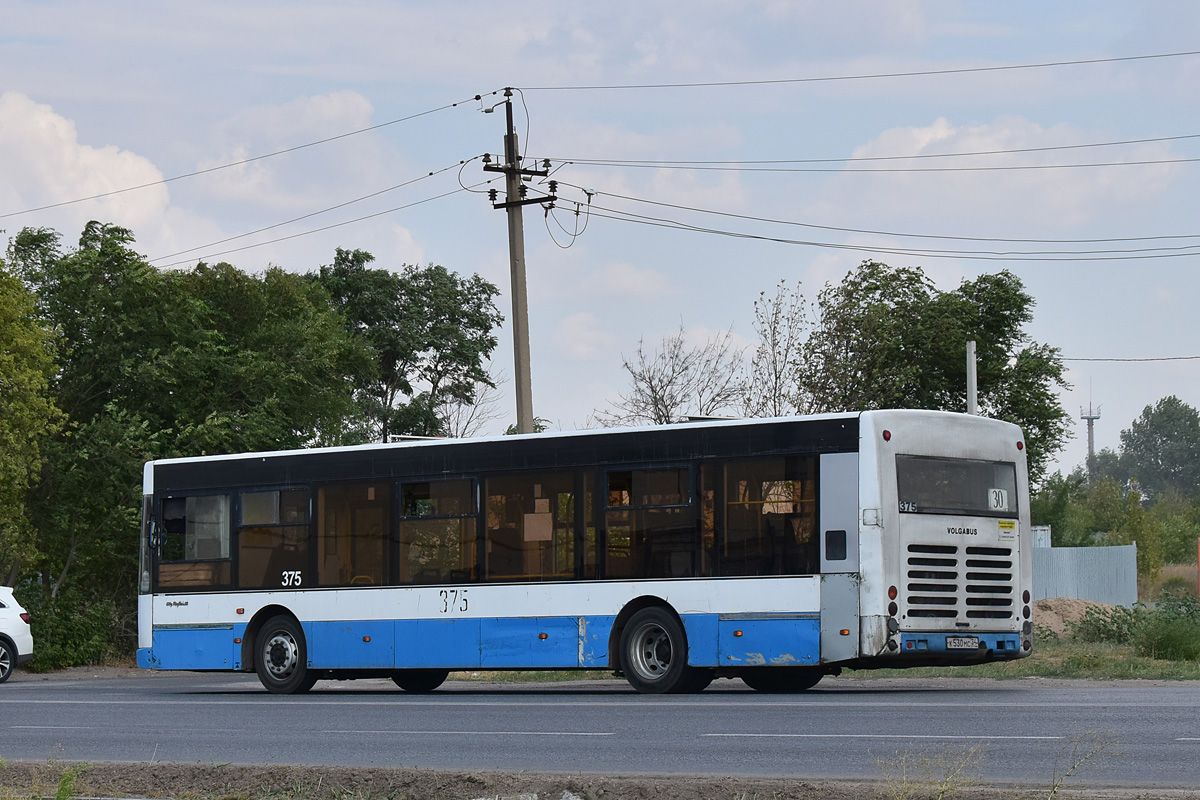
(770, 518)
(437, 532)
(530, 527)
(273, 540)
(353, 534)
(194, 542)
(651, 525)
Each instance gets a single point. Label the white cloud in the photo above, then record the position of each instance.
(582, 336)
(42, 162)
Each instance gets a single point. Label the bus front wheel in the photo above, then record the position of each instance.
(419, 681)
(782, 680)
(654, 654)
(281, 657)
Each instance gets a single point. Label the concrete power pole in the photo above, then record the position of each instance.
(1091, 417)
(514, 198)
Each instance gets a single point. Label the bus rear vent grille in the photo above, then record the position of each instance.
(976, 583)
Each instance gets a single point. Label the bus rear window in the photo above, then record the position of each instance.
(930, 485)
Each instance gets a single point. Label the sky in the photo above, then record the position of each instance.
(101, 97)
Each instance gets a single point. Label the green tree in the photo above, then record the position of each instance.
(27, 416)
(1161, 449)
(430, 332)
(156, 364)
(885, 337)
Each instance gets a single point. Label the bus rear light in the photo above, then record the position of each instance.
(893, 593)
(1026, 612)
(893, 609)
(887, 436)
(1025, 597)
(1020, 445)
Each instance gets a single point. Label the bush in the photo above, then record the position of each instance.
(1114, 624)
(1173, 639)
(69, 630)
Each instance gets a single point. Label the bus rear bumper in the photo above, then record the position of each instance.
(970, 646)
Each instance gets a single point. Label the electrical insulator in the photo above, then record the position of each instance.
(487, 158)
(492, 195)
(553, 187)
(522, 191)
(546, 164)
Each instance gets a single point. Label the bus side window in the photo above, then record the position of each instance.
(437, 532)
(770, 518)
(194, 543)
(273, 540)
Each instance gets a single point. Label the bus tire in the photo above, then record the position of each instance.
(419, 681)
(653, 653)
(782, 680)
(281, 657)
(8, 660)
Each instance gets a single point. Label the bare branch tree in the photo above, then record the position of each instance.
(464, 420)
(678, 379)
(773, 386)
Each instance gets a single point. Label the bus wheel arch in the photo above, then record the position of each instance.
(280, 653)
(651, 648)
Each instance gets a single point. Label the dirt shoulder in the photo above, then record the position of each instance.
(238, 782)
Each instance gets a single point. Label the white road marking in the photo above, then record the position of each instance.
(480, 733)
(868, 736)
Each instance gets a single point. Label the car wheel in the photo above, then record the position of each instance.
(8, 661)
(281, 657)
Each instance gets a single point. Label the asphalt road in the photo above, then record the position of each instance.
(1023, 730)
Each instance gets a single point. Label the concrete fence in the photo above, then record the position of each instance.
(1100, 574)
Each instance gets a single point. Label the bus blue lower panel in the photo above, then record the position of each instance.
(370, 644)
(447, 643)
(515, 643)
(760, 640)
(199, 648)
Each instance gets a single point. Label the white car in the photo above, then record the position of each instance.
(16, 641)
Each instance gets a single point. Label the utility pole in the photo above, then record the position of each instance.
(515, 192)
(972, 381)
(1091, 417)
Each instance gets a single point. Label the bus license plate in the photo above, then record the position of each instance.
(962, 642)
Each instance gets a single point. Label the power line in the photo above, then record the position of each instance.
(1133, 255)
(873, 76)
(842, 170)
(1164, 358)
(309, 215)
(325, 228)
(625, 161)
(898, 234)
(239, 163)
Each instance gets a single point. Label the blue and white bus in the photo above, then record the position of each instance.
(776, 551)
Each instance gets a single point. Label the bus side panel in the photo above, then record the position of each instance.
(518, 643)
(205, 648)
(367, 644)
(701, 630)
(594, 633)
(445, 643)
(753, 640)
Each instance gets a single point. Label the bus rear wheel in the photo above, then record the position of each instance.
(782, 680)
(281, 657)
(419, 681)
(653, 654)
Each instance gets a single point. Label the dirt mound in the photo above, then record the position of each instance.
(1057, 612)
